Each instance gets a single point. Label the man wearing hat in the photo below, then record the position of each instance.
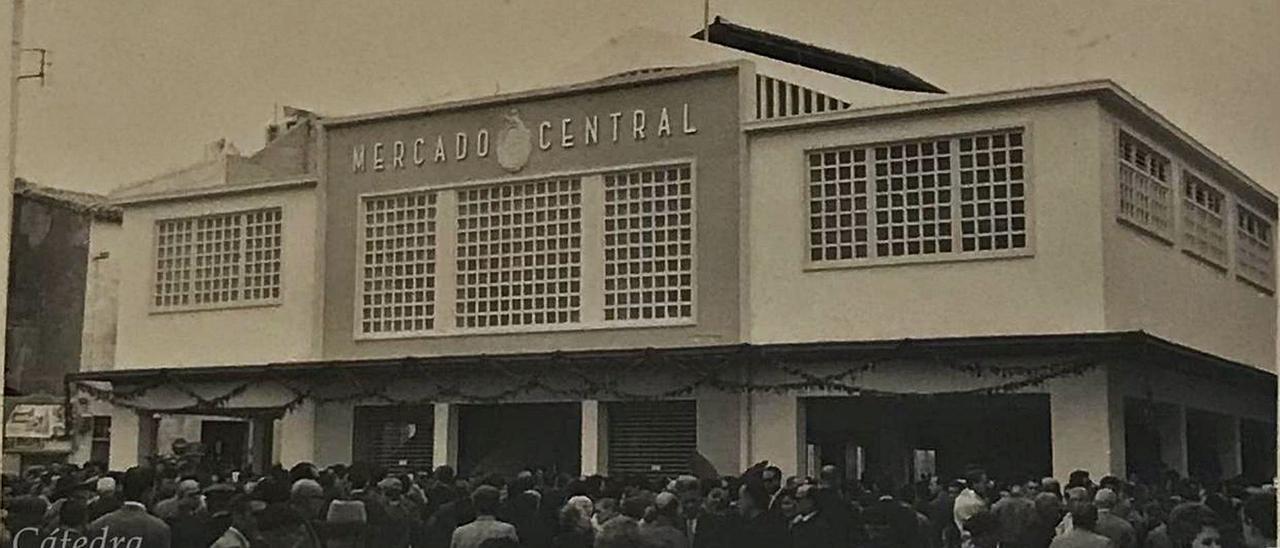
(132, 521)
(308, 500)
(107, 500)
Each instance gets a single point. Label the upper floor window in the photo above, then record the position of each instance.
(648, 244)
(218, 260)
(918, 198)
(398, 275)
(1143, 186)
(1203, 220)
(1253, 248)
(519, 257)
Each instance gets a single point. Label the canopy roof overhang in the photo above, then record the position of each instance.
(1135, 347)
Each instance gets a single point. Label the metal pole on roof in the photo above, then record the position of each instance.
(706, 20)
(6, 193)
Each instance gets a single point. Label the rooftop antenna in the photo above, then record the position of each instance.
(706, 20)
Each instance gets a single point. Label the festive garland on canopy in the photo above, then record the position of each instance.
(721, 373)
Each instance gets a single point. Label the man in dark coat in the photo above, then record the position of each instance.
(132, 521)
(810, 528)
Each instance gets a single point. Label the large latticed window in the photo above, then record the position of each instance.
(216, 260)
(1203, 220)
(1253, 248)
(918, 198)
(1143, 186)
(399, 270)
(648, 244)
(519, 259)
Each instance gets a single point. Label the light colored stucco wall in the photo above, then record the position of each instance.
(711, 145)
(1057, 290)
(225, 336)
(1151, 285)
(98, 342)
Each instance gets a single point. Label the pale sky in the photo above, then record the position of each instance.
(138, 87)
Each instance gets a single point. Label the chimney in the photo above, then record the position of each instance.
(292, 117)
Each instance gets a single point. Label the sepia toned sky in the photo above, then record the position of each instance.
(139, 86)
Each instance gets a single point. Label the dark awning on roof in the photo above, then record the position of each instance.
(793, 51)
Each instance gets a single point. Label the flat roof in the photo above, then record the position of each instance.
(1107, 91)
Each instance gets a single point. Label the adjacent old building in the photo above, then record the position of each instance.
(54, 276)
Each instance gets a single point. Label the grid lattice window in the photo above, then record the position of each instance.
(1145, 193)
(262, 255)
(1253, 247)
(218, 256)
(398, 279)
(174, 245)
(1203, 223)
(913, 198)
(218, 259)
(918, 198)
(648, 243)
(838, 205)
(519, 254)
(992, 192)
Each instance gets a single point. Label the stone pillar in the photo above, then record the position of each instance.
(133, 437)
(595, 438)
(778, 432)
(1228, 444)
(1087, 416)
(718, 416)
(1171, 424)
(296, 436)
(445, 442)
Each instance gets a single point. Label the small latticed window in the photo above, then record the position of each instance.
(992, 193)
(519, 257)
(1203, 220)
(398, 277)
(1253, 248)
(918, 198)
(648, 244)
(174, 241)
(1143, 187)
(218, 260)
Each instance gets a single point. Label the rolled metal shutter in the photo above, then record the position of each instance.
(652, 438)
(399, 439)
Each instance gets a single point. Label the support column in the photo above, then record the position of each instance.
(334, 429)
(595, 438)
(718, 418)
(1171, 425)
(133, 438)
(778, 432)
(1087, 416)
(445, 443)
(297, 436)
(1228, 437)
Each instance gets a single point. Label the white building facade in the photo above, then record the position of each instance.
(661, 271)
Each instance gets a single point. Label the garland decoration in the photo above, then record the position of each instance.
(494, 379)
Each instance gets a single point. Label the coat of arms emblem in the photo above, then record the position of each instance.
(515, 142)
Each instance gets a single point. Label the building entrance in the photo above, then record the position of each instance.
(507, 438)
(893, 441)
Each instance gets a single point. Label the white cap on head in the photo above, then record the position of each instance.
(106, 485)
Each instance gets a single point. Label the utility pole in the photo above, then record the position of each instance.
(6, 191)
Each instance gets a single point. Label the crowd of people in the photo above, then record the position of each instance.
(163, 505)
